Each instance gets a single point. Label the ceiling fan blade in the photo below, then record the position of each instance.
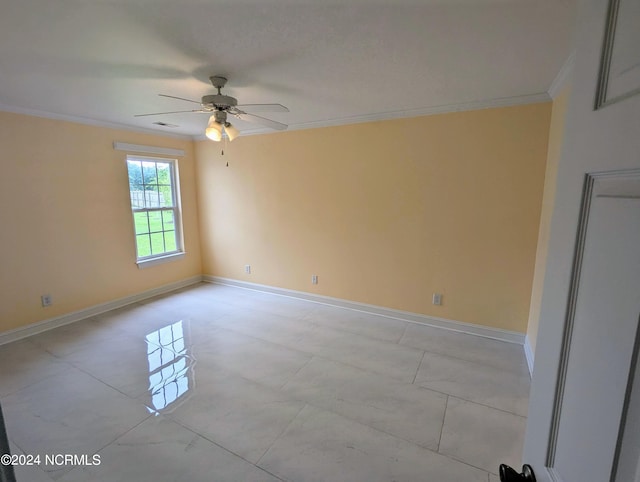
(260, 120)
(173, 112)
(179, 98)
(264, 107)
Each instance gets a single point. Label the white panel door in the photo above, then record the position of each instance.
(584, 410)
(601, 354)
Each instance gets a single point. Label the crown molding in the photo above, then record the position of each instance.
(90, 122)
(408, 113)
(563, 77)
(427, 111)
(339, 121)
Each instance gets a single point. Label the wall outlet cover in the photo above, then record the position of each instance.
(46, 300)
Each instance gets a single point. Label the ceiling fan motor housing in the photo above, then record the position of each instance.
(219, 101)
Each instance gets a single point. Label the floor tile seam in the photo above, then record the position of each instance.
(459, 460)
(475, 362)
(415, 375)
(46, 474)
(524, 417)
(377, 429)
(79, 468)
(281, 387)
(17, 390)
(472, 401)
(312, 353)
(80, 346)
(194, 317)
(270, 388)
(84, 370)
(363, 335)
(335, 330)
(272, 313)
(316, 324)
(414, 444)
(265, 341)
(282, 432)
(451, 457)
(370, 372)
(29, 385)
(12, 441)
(404, 332)
(389, 344)
(444, 418)
(217, 444)
(46, 350)
(398, 342)
(403, 384)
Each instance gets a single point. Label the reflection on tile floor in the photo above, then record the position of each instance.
(227, 384)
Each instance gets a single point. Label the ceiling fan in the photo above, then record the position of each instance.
(220, 106)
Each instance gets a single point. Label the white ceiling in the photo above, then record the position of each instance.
(329, 62)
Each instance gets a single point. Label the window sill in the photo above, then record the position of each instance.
(146, 263)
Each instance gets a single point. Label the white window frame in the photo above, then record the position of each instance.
(178, 253)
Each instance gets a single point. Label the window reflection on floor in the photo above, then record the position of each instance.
(170, 366)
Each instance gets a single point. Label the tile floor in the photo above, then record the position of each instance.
(217, 383)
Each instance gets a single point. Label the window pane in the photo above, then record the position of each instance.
(170, 240)
(135, 172)
(157, 243)
(167, 219)
(142, 223)
(165, 196)
(155, 221)
(149, 175)
(144, 246)
(137, 196)
(164, 184)
(152, 196)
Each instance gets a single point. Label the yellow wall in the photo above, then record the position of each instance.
(385, 212)
(66, 227)
(556, 132)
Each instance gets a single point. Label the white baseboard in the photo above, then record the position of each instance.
(452, 325)
(459, 326)
(39, 327)
(528, 353)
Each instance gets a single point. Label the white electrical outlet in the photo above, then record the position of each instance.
(314, 279)
(437, 299)
(46, 300)
(247, 268)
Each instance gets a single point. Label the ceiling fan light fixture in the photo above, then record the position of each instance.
(214, 129)
(231, 131)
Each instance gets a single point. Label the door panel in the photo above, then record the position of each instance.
(589, 316)
(627, 462)
(602, 344)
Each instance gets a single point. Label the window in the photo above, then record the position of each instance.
(154, 201)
